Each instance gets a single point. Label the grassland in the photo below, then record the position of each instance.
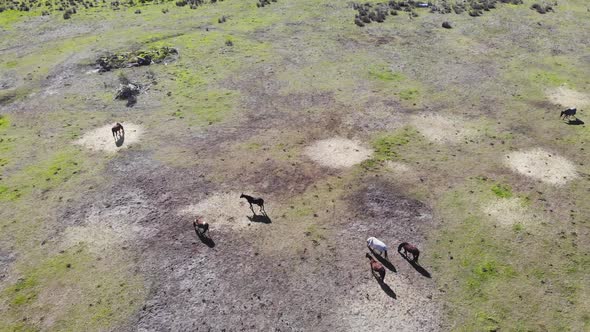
(93, 241)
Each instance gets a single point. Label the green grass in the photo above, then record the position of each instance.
(385, 74)
(502, 190)
(46, 175)
(387, 146)
(76, 290)
(491, 272)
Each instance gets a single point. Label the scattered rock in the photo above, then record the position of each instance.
(447, 25)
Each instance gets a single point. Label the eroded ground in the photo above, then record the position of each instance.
(446, 138)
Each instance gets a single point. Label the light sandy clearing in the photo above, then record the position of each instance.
(508, 211)
(542, 165)
(101, 139)
(368, 308)
(337, 152)
(441, 129)
(223, 210)
(568, 97)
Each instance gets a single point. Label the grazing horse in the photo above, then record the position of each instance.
(376, 267)
(118, 130)
(568, 113)
(200, 226)
(409, 248)
(375, 244)
(254, 200)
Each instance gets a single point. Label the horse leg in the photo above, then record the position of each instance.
(251, 208)
(385, 254)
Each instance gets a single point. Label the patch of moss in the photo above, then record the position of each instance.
(385, 74)
(386, 146)
(4, 122)
(502, 190)
(409, 94)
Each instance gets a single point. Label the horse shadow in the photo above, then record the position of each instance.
(384, 261)
(417, 267)
(385, 287)
(119, 139)
(261, 218)
(205, 239)
(575, 122)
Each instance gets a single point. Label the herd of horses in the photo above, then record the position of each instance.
(376, 246)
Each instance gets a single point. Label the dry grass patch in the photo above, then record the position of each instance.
(508, 211)
(441, 129)
(338, 152)
(101, 139)
(568, 97)
(542, 165)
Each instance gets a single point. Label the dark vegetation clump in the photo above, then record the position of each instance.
(70, 7)
(447, 25)
(222, 19)
(377, 12)
(128, 90)
(543, 8)
(135, 59)
(262, 3)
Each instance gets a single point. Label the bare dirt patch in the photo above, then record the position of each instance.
(508, 211)
(223, 209)
(107, 227)
(568, 98)
(101, 139)
(542, 165)
(337, 152)
(440, 129)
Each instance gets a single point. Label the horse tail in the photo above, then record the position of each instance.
(399, 248)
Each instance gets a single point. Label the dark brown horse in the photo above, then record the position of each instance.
(201, 227)
(376, 267)
(118, 130)
(409, 248)
(254, 200)
(568, 113)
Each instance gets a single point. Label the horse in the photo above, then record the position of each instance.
(376, 267)
(568, 113)
(254, 200)
(200, 226)
(409, 248)
(375, 244)
(118, 130)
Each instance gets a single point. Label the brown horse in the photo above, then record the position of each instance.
(118, 130)
(376, 267)
(254, 200)
(201, 227)
(409, 248)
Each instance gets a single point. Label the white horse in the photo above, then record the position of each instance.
(377, 245)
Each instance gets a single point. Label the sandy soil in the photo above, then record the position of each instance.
(441, 129)
(223, 209)
(508, 211)
(568, 98)
(101, 139)
(542, 165)
(337, 152)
